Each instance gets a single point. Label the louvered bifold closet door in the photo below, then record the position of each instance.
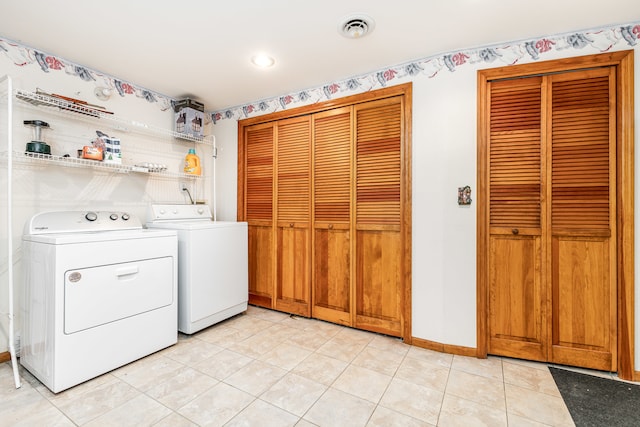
(378, 148)
(293, 171)
(583, 226)
(516, 303)
(259, 145)
(332, 137)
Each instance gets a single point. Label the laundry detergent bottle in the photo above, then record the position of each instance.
(192, 163)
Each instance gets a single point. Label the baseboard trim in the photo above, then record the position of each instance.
(5, 357)
(444, 348)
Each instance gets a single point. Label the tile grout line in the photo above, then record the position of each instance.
(444, 392)
(504, 390)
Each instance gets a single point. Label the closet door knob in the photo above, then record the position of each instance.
(515, 231)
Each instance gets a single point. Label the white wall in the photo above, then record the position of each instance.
(227, 169)
(444, 234)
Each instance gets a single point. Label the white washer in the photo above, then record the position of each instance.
(212, 264)
(100, 291)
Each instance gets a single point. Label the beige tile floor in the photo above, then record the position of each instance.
(266, 368)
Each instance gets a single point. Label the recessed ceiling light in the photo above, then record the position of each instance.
(356, 26)
(262, 60)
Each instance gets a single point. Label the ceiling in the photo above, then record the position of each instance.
(202, 48)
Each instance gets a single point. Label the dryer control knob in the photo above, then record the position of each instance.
(91, 216)
(125, 217)
(200, 211)
(113, 217)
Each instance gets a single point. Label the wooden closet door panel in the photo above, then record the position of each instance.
(260, 265)
(379, 296)
(583, 254)
(582, 326)
(517, 315)
(293, 171)
(293, 292)
(259, 142)
(332, 138)
(515, 150)
(332, 291)
(378, 162)
(259, 146)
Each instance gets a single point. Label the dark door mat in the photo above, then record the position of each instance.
(594, 401)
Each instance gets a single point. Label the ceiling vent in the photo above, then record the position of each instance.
(356, 26)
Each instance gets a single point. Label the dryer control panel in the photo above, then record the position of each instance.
(81, 221)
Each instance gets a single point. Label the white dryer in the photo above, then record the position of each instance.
(212, 264)
(100, 291)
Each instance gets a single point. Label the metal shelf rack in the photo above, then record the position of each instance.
(22, 157)
(90, 114)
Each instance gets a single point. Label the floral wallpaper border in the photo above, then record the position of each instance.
(23, 56)
(602, 39)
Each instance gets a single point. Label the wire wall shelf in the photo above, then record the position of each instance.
(93, 114)
(27, 158)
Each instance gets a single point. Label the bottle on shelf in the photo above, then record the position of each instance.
(192, 163)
